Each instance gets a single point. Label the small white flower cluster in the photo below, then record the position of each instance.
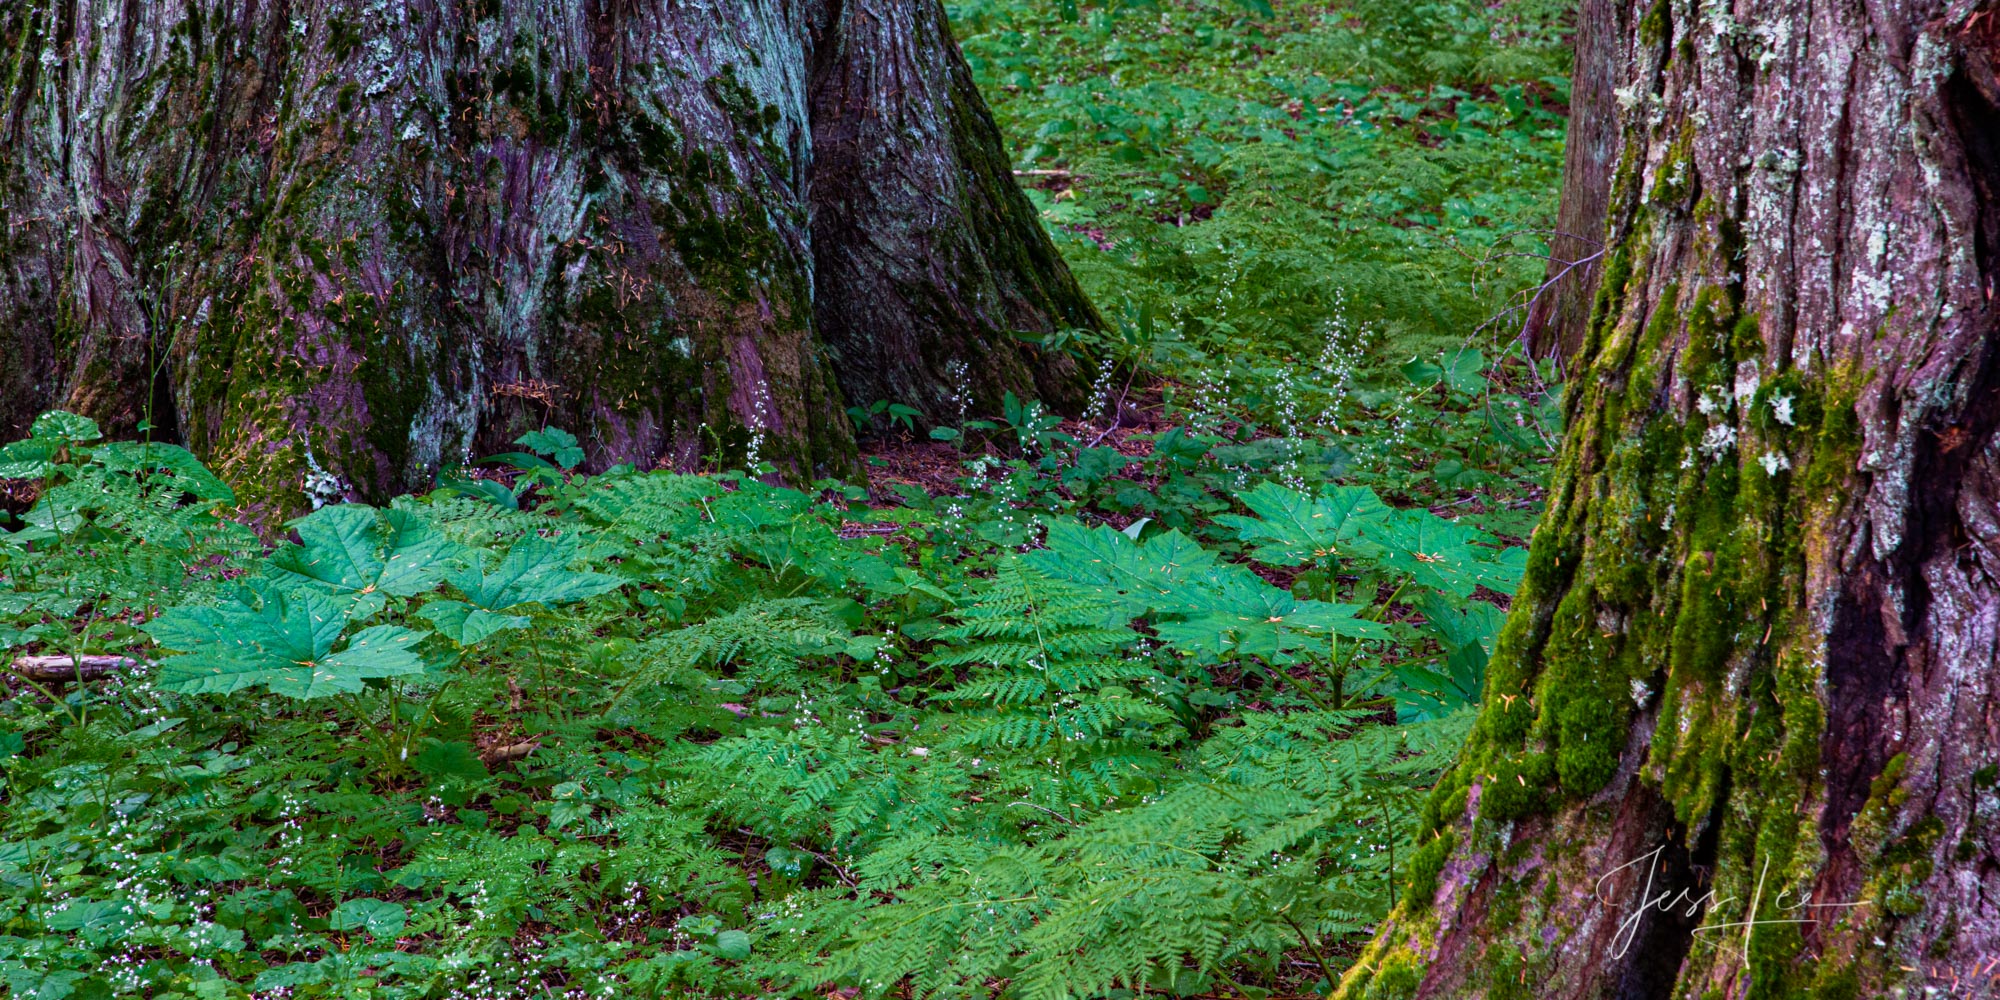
(961, 388)
(1100, 392)
(1210, 404)
(760, 404)
(1343, 346)
(1288, 425)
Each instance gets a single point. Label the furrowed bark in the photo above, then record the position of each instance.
(376, 240)
(1750, 676)
(929, 252)
(1558, 317)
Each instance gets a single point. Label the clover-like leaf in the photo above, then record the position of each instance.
(282, 640)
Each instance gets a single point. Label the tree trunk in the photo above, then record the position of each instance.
(1740, 736)
(1560, 311)
(378, 239)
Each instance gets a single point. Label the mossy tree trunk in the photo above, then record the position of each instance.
(382, 237)
(1750, 678)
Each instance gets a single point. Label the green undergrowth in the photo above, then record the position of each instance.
(1281, 204)
(671, 735)
(1116, 714)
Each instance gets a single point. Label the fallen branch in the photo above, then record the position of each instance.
(64, 667)
(510, 752)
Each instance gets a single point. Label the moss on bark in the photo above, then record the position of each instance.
(400, 238)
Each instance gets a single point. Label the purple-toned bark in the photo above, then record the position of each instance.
(1753, 674)
(378, 238)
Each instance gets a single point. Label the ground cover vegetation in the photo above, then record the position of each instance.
(1145, 699)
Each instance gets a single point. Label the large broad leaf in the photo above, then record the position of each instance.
(50, 433)
(1252, 618)
(466, 625)
(379, 917)
(1502, 571)
(347, 552)
(535, 570)
(554, 442)
(1434, 552)
(280, 639)
(153, 458)
(61, 425)
(1292, 528)
(1466, 632)
(1140, 577)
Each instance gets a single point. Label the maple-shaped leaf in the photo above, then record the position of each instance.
(1501, 572)
(466, 625)
(535, 570)
(1140, 577)
(1436, 553)
(1292, 528)
(154, 458)
(1252, 618)
(281, 639)
(352, 554)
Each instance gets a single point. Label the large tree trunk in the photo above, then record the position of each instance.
(1751, 675)
(379, 238)
(1559, 312)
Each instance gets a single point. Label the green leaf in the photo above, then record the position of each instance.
(345, 552)
(535, 570)
(1465, 371)
(1253, 619)
(466, 625)
(1292, 529)
(1421, 373)
(1434, 552)
(92, 916)
(61, 425)
(143, 457)
(289, 975)
(733, 945)
(1158, 574)
(451, 759)
(30, 459)
(1177, 449)
(281, 640)
(24, 983)
(1202, 605)
(1502, 573)
(379, 917)
(554, 442)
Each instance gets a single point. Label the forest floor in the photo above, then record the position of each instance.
(1140, 700)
